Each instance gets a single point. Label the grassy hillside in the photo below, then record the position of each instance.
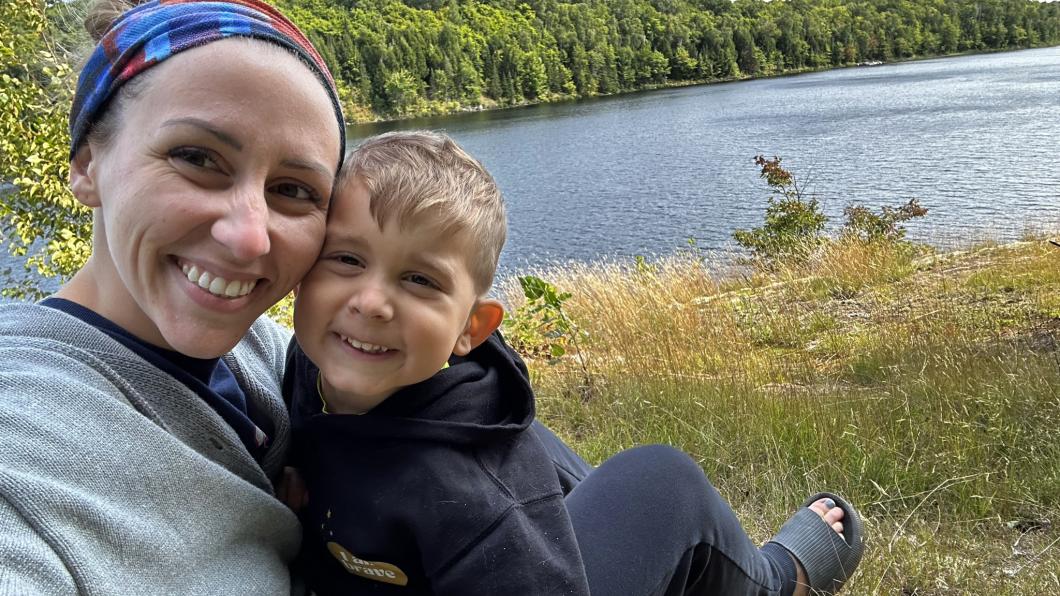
(924, 388)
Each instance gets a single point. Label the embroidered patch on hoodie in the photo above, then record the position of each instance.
(373, 570)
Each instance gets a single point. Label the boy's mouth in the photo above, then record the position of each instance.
(365, 347)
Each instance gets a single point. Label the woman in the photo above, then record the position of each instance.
(141, 420)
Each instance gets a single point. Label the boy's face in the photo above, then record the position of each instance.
(382, 308)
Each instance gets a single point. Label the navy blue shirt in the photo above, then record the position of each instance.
(210, 378)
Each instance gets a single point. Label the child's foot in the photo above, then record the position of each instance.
(820, 556)
(833, 516)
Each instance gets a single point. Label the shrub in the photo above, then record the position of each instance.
(794, 227)
(861, 223)
(39, 218)
(540, 327)
(794, 223)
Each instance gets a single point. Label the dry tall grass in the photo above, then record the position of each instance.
(925, 388)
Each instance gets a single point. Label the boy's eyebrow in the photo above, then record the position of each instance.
(342, 238)
(436, 265)
(439, 266)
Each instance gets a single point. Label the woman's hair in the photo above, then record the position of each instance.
(132, 36)
(102, 14)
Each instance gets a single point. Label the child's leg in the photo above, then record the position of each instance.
(570, 467)
(648, 522)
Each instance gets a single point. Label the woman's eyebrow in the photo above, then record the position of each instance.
(224, 137)
(231, 141)
(312, 166)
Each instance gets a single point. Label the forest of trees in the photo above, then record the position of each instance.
(402, 58)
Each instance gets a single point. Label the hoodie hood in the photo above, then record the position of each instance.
(484, 396)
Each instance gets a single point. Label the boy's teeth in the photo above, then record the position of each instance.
(370, 348)
(217, 285)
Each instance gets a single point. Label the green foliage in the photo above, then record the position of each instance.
(39, 218)
(794, 224)
(794, 227)
(410, 58)
(644, 268)
(863, 224)
(540, 326)
(283, 311)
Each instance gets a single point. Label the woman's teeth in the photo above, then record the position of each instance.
(217, 285)
(370, 348)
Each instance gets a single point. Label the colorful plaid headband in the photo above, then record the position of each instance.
(154, 31)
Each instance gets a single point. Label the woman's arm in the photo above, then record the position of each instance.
(30, 565)
(133, 481)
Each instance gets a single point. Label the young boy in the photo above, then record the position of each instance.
(427, 480)
(410, 414)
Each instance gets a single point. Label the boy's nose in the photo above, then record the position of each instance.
(372, 301)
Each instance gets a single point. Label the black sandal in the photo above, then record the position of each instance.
(827, 558)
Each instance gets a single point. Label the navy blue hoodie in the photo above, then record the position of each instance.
(440, 489)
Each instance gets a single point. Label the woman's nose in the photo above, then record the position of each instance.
(371, 300)
(244, 227)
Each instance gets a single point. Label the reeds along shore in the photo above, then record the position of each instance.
(926, 388)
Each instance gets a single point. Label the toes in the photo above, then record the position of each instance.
(834, 514)
(831, 514)
(822, 506)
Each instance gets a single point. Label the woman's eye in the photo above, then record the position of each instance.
(195, 156)
(295, 191)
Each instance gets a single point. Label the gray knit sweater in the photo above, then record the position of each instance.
(117, 479)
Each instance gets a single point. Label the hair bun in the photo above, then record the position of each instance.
(102, 14)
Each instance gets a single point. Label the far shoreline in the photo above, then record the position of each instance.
(565, 99)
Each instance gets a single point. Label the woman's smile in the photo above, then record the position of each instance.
(217, 284)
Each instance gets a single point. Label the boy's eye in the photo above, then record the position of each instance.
(295, 191)
(350, 260)
(194, 156)
(421, 280)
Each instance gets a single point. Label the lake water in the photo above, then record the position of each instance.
(975, 138)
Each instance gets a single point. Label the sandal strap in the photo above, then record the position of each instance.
(828, 559)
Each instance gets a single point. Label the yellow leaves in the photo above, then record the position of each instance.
(38, 217)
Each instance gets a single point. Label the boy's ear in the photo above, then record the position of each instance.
(82, 180)
(484, 320)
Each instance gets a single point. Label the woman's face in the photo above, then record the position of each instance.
(211, 195)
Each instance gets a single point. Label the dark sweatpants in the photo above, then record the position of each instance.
(648, 522)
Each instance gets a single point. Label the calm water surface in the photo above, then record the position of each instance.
(975, 138)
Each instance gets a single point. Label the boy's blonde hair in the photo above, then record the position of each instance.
(425, 177)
